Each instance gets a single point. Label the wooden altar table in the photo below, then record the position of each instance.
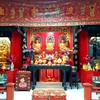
(63, 68)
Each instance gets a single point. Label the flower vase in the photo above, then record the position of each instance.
(12, 66)
(89, 66)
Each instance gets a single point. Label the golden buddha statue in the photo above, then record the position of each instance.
(50, 45)
(63, 46)
(37, 46)
(3, 51)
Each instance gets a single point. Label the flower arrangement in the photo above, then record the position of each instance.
(90, 61)
(49, 57)
(11, 59)
(88, 58)
(70, 53)
(28, 51)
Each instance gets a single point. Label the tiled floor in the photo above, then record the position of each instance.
(72, 94)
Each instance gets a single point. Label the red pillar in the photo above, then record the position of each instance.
(87, 91)
(10, 91)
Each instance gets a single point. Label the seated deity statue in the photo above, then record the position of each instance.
(62, 46)
(3, 51)
(50, 45)
(68, 60)
(43, 55)
(37, 46)
(56, 55)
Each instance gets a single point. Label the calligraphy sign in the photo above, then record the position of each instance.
(61, 14)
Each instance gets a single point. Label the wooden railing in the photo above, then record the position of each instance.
(88, 89)
(9, 89)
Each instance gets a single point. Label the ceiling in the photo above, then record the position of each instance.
(39, 1)
(93, 30)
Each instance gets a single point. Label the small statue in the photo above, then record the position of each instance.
(97, 67)
(68, 59)
(36, 61)
(55, 61)
(59, 61)
(49, 79)
(43, 55)
(49, 63)
(64, 58)
(56, 56)
(3, 67)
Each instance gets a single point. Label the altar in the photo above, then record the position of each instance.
(63, 68)
(51, 49)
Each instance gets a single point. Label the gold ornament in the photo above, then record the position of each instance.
(24, 40)
(34, 11)
(24, 34)
(76, 62)
(75, 34)
(75, 56)
(92, 10)
(75, 45)
(75, 40)
(1, 11)
(13, 12)
(82, 9)
(21, 12)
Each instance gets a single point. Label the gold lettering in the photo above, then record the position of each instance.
(1, 11)
(70, 10)
(34, 11)
(22, 75)
(92, 10)
(82, 9)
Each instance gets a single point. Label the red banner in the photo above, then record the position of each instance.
(61, 14)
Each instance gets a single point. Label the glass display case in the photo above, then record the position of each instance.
(94, 50)
(3, 79)
(94, 46)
